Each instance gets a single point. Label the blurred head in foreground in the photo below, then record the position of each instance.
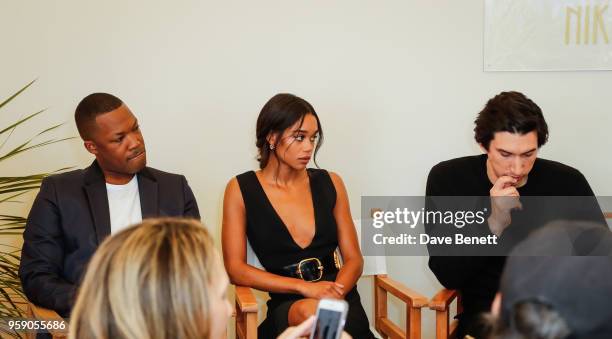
(557, 284)
(159, 279)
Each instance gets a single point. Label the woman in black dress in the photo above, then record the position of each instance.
(294, 218)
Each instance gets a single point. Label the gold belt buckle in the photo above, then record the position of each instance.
(337, 259)
(319, 266)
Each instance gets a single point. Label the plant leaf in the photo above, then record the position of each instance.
(21, 121)
(16, 94)
(21, 148)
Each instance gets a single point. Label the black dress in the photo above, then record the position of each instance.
(275, 248)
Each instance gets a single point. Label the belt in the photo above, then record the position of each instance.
(311, 269)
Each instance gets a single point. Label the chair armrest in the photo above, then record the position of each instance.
(245, 299)
(41, 313)
(442, 299)
(414, 301)
(246, 313)
(399, 290)
(38, 312)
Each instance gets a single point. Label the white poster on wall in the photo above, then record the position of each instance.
(547, 35)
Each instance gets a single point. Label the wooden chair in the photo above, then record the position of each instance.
(40, 313)
(441, 304)
(247, 307)
(247, 310)
(246, 313)
(384, 285)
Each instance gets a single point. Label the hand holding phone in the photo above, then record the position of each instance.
(299, 331)
(331, 316)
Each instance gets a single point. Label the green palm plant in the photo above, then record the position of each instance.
(12, 298)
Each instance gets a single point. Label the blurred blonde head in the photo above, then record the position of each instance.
(160, 279)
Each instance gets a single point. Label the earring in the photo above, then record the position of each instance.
(271, 147)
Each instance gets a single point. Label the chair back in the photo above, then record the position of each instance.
(252, 258)
(374, 264)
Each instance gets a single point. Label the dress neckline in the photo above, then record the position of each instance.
(280, 220)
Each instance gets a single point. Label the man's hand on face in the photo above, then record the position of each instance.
(504, 199)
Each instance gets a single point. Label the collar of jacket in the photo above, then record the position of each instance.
(95, 189)
(94, 173)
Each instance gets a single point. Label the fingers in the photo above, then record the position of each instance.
(298, 331)
(327, 289)
(332, 293)
(338, 290)
(508, 192)
(503, 182)
(305, 327)
(505, 186)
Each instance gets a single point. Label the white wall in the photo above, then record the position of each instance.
(397, 85)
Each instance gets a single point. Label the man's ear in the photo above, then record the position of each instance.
(484, 150)
(496, 306)
(90, 146)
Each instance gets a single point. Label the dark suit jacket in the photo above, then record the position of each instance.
(70, 218)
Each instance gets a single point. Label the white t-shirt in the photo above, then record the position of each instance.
(124, 205)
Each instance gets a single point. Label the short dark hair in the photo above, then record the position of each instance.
(510, 112)
(90, 107)
(279, 113)
(529, 319)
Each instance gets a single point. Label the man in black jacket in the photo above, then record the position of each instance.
(75, 211)
(510, 130)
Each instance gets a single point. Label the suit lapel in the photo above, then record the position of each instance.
(147, 189)
(95, 188)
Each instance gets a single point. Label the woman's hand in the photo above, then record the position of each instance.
(303, 330)
(322, 289)
(300, 331)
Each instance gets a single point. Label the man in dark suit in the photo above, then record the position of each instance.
(75, 211)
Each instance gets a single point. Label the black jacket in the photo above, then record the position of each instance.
(70, 218)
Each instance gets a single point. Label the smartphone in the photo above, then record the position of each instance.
(330, 318)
